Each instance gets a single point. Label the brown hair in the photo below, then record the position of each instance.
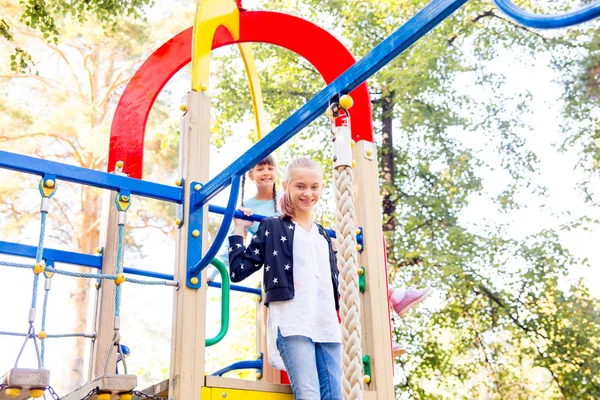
(268, 160)
(285, 203)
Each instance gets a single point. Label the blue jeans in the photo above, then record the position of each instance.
(314, 369)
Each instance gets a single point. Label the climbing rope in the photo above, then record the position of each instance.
(42, 335)
(347, 256)
(110, 277)
(47, 188)
(122, 202)
(54, 336)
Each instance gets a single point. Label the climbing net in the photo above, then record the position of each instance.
(47, 188)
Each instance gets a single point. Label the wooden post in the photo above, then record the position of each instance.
(105, 295)
(375, 319)
(189, 305)
(270, 374)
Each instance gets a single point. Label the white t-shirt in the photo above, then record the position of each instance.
(311, 313)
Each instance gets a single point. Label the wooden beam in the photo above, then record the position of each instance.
(375, 318)
(113, 384)
(25, 380)
(189, 305)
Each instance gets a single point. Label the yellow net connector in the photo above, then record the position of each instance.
(38, 268)
(47, 187)
(12, 392)
(42, 335)
(346, 101)
(36, 393)
(120, 279)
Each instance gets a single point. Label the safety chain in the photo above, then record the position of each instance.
(94, 391)
(52, 393)
(143, 395)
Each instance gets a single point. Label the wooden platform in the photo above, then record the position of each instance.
(114, 384)
(25, 379)
(217, 387)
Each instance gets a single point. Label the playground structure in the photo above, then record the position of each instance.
(365, 317)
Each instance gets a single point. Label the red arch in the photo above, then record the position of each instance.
(315, 44)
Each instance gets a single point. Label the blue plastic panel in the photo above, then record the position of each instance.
(90, 177)
(67, 257)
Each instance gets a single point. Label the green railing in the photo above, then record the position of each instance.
(225, 291)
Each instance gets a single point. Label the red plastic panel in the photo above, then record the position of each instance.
(313, 43)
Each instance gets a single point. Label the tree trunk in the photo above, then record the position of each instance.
(85, 241)
(388, 169)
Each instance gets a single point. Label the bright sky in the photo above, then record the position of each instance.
(146, 310)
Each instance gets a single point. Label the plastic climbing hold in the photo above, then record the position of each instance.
(346, 101)
(38, 268)
(42, 335)
(120, 279)
(36, 393)
(12, 392)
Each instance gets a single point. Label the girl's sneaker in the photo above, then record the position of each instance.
(397, 350)
(402, 300)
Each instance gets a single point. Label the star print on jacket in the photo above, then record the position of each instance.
(274, 252)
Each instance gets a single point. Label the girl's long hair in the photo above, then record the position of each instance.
(268, 160)
(285, 203)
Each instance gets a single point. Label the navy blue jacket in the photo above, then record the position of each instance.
(272, 247)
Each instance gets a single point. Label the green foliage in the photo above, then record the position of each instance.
(45, 17)
(510, 324)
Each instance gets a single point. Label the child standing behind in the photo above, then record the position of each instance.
(301, 285)
(264, 202)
